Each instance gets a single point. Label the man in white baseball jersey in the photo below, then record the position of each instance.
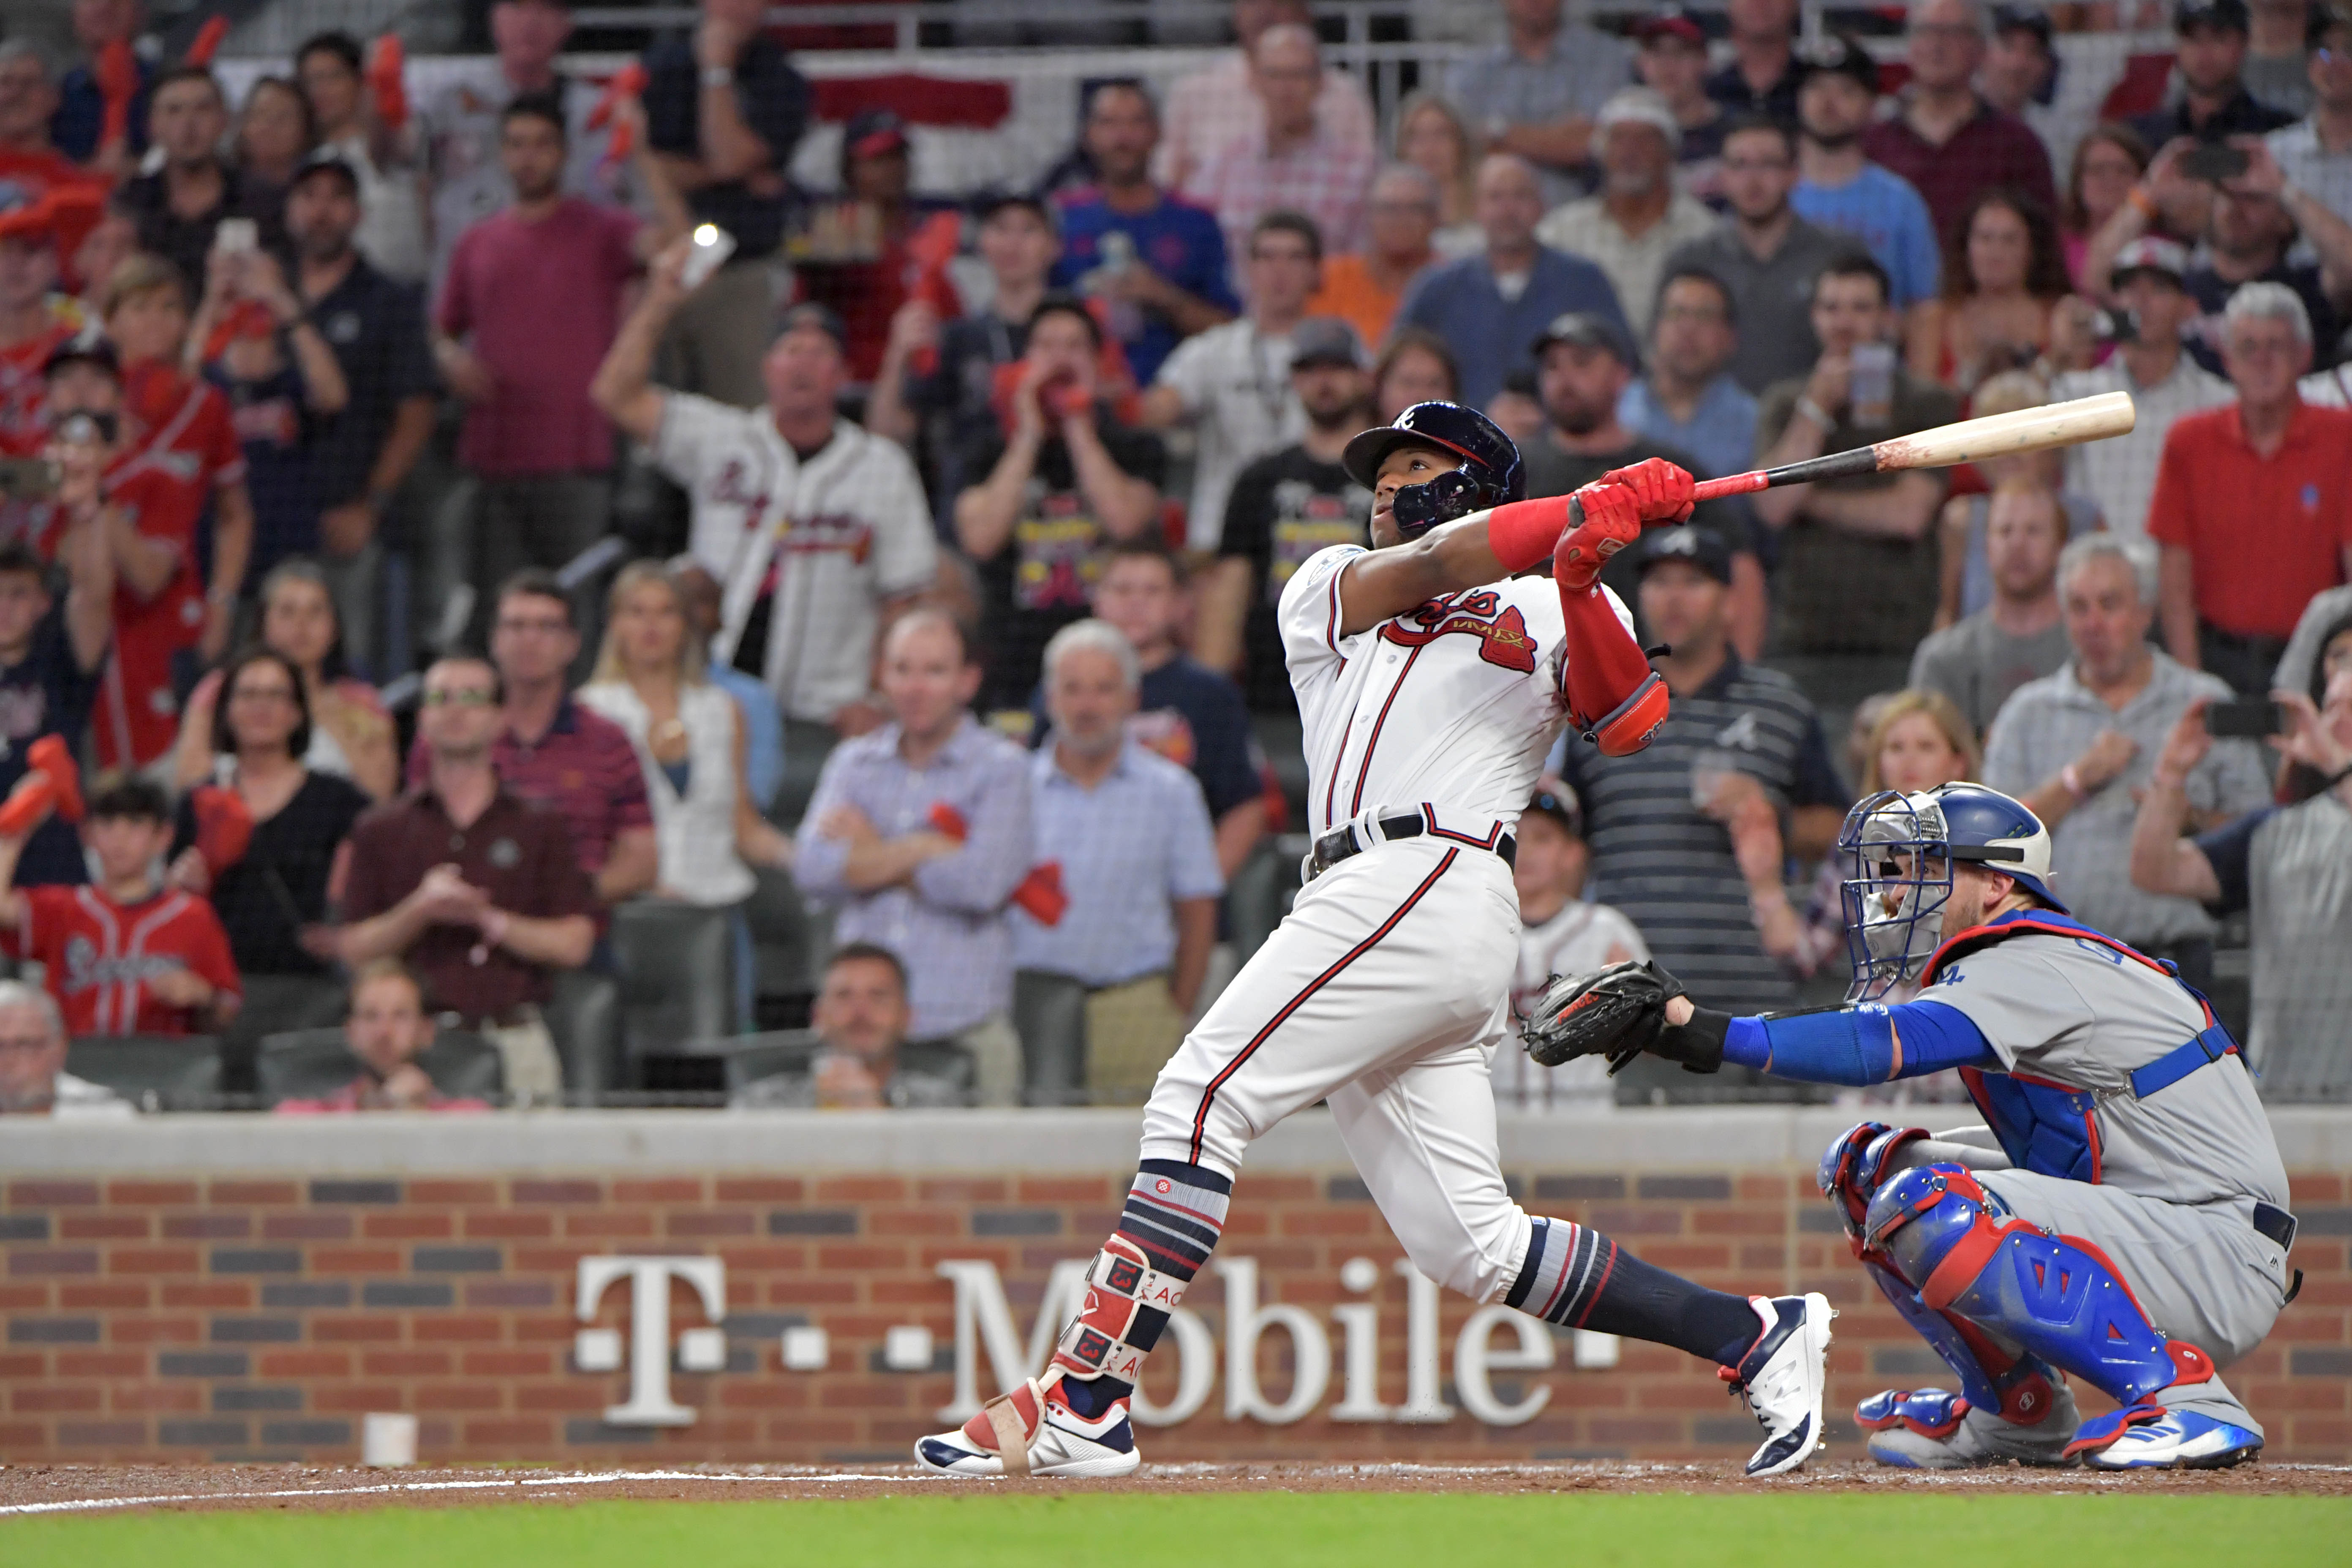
(1430, 678)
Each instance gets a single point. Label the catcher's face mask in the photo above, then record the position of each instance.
(1898, 879)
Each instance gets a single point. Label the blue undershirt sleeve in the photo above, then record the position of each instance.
(1860, 1045)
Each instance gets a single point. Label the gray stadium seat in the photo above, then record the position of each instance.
(788, 940)
(156, 1072)
(1049, 1014)
(676, 966)
(310, 1064)
(583, 1014)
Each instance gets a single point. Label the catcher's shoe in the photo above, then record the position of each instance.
(1931, 1429)
(2150, 1437)
(1032, 1431)
(1781, 1377)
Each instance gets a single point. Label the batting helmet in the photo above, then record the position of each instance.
(1490, 473)
(1894, 910)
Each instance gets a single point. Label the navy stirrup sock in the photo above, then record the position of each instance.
(1575, 1275)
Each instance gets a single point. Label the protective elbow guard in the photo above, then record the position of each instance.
(1627, 728)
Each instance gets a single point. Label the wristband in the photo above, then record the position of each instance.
(2072, 782)
(1524, 532)
(1816, 413)
(719, 75)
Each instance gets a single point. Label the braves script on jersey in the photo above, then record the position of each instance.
(99, 956)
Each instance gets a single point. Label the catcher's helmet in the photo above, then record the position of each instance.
(1490, 473)
(1893, 912)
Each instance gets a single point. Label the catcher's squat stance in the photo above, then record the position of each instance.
(2122, 1219)
(1431, 678)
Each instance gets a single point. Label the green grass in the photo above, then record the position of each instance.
(1212, 1531)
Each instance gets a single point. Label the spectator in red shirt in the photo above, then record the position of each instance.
(123, 955)
(387, 1030)
(2253, 501)
(1947, 142)
(182, 425)
(556, 754)
(530, 303)
(33, 320)
(27, 98)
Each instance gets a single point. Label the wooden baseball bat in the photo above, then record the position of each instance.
(1969, 441)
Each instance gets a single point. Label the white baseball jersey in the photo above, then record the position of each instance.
(826, 540)
(1454, 704)
(1579, 939)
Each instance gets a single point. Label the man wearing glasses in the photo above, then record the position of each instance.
(479, 892)
(33, 1077)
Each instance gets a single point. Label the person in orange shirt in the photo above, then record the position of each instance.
(1363, 290)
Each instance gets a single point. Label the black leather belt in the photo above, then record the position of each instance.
(1343, 841)
(2275, 1223)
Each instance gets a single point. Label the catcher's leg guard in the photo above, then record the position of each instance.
(2014, 1384)
(2059, 1297)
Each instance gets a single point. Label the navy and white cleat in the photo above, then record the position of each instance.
(1035, 1428)
(1782, 1378)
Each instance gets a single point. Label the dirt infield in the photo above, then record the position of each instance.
(50, 1489)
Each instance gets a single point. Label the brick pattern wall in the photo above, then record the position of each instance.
(223, 1317)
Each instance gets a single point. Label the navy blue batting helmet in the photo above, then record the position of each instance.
(1898, 850)
(1490, 473)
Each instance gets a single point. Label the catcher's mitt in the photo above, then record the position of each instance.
(1618, 1012)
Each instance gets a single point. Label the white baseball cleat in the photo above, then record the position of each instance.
(2172, 1440)
(1036, 1428)
(1782, 1378)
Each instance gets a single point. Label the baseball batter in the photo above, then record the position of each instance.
(1432, 676)
(2120, 1216)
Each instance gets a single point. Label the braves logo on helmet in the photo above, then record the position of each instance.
(1488, 471)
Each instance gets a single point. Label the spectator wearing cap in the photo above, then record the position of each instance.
(2023, 76)
(2077, 746)
(1688, 398)
(179, 207)
(1639, 216)
(1157, 260)
(1672, 63)
(2316, 151)
(79, 124)
(2210, 39)
(878, 245)
(461, 115)
(1059, 479)
(724, 111)
(1292, 162)
(1838, 188)
(918, 835)
(1561, 932)
(1859, 558)
(1658, 820)
(529, 306)
(376, 329)
(1766, 254)
(818, 531)
(1490, 306)
(1130, 833)
(1534, 94)
(1231, 384)
(1364, 287)
(33, 1077)
(2164, 381)
(1284, 508)
(1762, 76)
(936, 391)
(2253, 501)
(1947, 141)
(1208, 108)
(383, 156)
(1583, 366)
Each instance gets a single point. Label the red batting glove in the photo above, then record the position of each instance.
(1666, 492)
(1611, 520)
(49, 757)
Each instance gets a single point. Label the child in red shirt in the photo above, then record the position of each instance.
(122, 956)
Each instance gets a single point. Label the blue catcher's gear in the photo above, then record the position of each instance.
(1489, 476)
(2150, 1437)
(1899, 849)
(1853, 1167)
(2058, 1297)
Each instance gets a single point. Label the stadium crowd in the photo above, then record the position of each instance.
(949, 531)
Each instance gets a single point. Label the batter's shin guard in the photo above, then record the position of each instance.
(2058, 1297)
(1172, 1219)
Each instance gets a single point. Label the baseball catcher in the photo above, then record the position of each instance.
(2121, 1215)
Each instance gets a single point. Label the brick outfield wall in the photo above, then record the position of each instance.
(227, 1318)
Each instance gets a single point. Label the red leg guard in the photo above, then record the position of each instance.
(1614, 697)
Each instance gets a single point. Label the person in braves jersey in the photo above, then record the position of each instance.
(1432, 676)
(123, 955)
(2120, 1216)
